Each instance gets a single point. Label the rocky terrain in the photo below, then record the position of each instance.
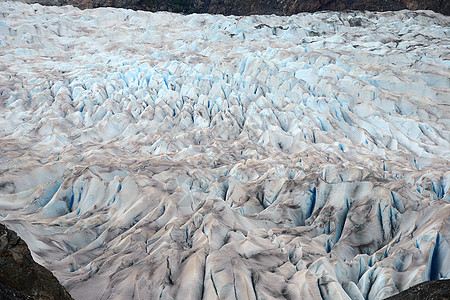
(248, 7)
(20, 276)
(430, 290)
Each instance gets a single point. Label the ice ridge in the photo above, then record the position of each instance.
(156, 155)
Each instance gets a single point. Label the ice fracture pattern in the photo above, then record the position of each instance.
(156, 155)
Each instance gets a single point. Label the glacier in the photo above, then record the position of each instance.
(157, 155)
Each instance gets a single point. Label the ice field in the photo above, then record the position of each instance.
(162, 156)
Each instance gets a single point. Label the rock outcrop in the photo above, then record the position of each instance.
(430, 290)
(20, 276)
(249, 7)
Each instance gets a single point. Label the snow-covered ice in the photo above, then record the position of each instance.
(156, 155)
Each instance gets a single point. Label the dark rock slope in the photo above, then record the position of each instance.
(20, 276)
(430, 290)
(248, 7)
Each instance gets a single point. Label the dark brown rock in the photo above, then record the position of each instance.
(8, 293)
(248, 7)
(20, 276)
(430, 290)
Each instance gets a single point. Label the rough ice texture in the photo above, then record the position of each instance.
(156, 155)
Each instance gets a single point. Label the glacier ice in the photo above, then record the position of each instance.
(156, 155)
